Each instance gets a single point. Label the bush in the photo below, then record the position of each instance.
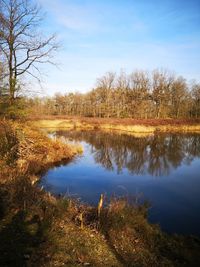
(15, 111)
(8, 143)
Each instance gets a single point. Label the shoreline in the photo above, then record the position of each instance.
(126, 126)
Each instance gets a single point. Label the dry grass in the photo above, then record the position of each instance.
(123, 125)
(123, 121)
(37, 152)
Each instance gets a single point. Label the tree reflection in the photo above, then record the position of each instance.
(156, 155)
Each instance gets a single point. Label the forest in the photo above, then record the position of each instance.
(159, 94)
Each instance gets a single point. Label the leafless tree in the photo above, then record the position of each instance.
(162, 83)
(140, 95)
(196, 100)
(22, 46)
(105, 86)
(178, 97)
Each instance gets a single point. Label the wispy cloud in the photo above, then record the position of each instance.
(93, 17)
(103, 35)
(71, 15)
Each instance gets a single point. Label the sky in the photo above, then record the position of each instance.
(98, 36)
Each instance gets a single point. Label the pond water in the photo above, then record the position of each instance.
(163, 169)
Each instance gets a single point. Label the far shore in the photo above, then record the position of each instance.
(134, 126)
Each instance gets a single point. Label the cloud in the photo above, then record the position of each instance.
(93, 16)
(72, 16)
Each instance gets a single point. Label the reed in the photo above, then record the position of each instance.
(100, 205)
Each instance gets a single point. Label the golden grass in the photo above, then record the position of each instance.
(179, 128)
(131, 129)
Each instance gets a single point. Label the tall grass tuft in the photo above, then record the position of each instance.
(8, 143)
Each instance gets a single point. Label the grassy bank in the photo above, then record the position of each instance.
(125, 125)
(28, 150)
(37, 229)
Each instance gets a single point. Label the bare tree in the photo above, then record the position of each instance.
(178, 97)
(120, 95)
(196, 100)
(139, 93)
(105, 86)
(162, 82)
(21, 45)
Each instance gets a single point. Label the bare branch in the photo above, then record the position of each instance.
(23, 47)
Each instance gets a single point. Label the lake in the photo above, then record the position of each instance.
(163, 169)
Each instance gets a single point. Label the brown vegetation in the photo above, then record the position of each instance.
(124, 121)
(131, 126)
(29, 150)
(37, 229)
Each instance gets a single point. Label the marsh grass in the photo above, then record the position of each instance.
(130, 126)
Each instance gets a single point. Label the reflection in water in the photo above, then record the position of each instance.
(118, 164)
(156, 155)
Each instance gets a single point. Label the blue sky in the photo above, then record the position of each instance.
(99, 36)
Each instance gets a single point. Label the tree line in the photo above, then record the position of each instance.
(141, 94)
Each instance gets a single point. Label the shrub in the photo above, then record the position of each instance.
(15, 111)
(8, 143)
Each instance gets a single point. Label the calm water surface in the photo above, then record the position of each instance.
(163, 169)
